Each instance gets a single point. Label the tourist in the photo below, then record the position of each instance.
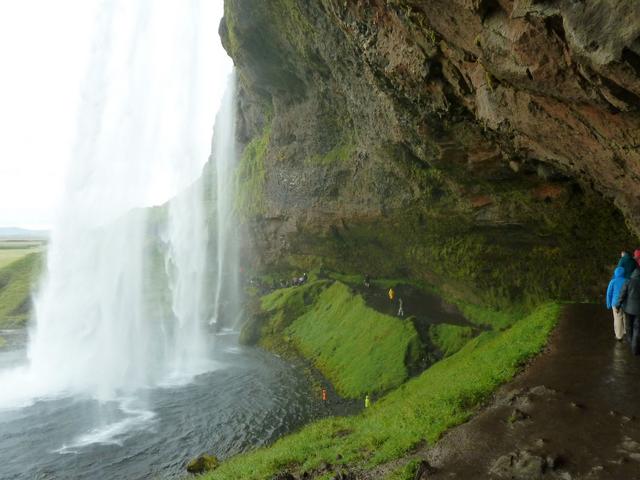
(367, 401)
(400, 309)
(613, 292)
(636, 256)
(367, 281)
(392, 294)
(628, 263)
(629, 299)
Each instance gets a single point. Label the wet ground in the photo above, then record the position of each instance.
(573, 414)
(425, 306)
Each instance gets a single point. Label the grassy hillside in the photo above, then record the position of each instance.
(420, 410)
(16, 281)
(12, 250)
(358, 349)
(449, 338)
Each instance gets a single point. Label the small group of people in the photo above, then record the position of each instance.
(623, 297)
(295, 281)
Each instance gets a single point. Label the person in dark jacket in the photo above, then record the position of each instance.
(628, 263)
(629, 299)
(613, 292)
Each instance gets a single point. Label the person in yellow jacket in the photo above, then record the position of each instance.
(392, 294)
(367, 401)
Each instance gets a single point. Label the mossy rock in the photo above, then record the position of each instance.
(203, 463)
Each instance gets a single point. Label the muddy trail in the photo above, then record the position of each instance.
(416, 303)
(573, 414)
(422, 308)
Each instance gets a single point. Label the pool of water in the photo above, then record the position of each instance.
(250, 399)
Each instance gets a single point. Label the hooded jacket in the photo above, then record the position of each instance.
(630, 295)
(629, 265)
(615, 286)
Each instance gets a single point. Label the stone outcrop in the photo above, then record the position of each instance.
(484, 145)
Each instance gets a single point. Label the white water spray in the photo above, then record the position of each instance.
(102, 328)
(227, 275)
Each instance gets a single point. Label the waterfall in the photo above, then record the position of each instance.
(125, 303)
(227, 298)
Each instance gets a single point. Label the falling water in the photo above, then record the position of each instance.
(227, 286)
(123, 303)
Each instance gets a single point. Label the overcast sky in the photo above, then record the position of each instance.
(44, 50)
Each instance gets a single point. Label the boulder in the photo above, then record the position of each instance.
(203, 463)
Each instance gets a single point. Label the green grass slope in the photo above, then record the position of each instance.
(449, 338)
(10, 251)
(16, 281)
(420, 410)
(357, 348)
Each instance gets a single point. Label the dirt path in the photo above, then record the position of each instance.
(428, 307)
(573, 414)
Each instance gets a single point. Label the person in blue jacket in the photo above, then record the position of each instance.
(613, 292)
(629, 300)
(628, 263)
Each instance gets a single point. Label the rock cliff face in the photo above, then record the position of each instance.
(491, 147)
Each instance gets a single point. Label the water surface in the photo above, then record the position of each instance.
(250, 399)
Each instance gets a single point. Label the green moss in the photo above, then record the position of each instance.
(204, 463)
(250, 177)
(339, 153)
(283, 21)
(449, 338)
(16, 281)
(406, 472)
(358, 349)
(280, 309)
(526, 261)
(422, 409)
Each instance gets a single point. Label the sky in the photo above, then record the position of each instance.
(45, 49)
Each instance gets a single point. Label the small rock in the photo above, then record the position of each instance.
(554, 461)
(518, 415)
(635, 457)
(577, 405)
(424, 471)
(515, 166)
(630, 444)
(203, 463)
(519, 465)
(540, 390)
(283, 476)
(344, 476)
(541, 442)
